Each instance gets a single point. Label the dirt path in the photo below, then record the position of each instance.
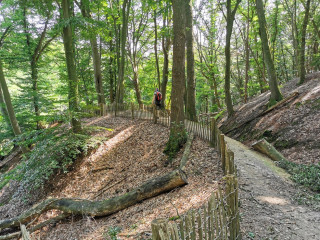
(267, 208)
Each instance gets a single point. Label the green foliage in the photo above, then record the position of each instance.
(307, 175)
(53, 149)
(113, 232)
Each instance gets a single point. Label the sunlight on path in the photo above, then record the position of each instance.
(268, 209)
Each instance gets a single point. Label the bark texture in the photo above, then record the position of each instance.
(191, 88)
(230, 19)
(7, 99)
(273, 84)
(266, 148)
(71, 67)
(303, 43)
(125, 15)
(177, 130)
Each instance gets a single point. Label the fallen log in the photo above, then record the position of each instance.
(14, 153)
(151, 188)
(282, 102)
(266, 148)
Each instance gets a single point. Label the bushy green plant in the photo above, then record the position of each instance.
(113, 232)
(53, 149)
(307, 175)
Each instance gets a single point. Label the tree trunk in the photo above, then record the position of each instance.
(136, 86)
(71, 67)
(152, 188)
(156, 48)
(230, 19)
(266, 148)
(247, 52)
(96, 58)
(3, 108)
(34, 76)
(273, 84)
(97, 70)
(123, 39)
(33, 66)
(166, 43)
(111, 73)
(303, 44)
(191, 88)
(177, 130)
(7, 99)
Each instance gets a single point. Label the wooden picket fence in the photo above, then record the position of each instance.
(219, 218)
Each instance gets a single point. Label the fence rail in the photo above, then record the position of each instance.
(219, 218)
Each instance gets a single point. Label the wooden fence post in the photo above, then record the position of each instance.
(232, 201)
(155, 117)
(158, 225)
(222, 152)
(132, 110)
(213, 132)
(231, 161)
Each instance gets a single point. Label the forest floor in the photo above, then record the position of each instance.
(132, 155)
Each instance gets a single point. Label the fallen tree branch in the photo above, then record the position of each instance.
(105, 207)
(35, 228)
(282, 102)
(186, 152)
(10, 157)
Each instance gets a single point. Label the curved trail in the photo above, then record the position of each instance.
(267, 208)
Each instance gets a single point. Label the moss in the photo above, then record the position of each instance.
(285, 144)
(316, 104)
(177, 139)
(272, 102)
(269, 136)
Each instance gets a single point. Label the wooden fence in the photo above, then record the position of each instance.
(219, 218)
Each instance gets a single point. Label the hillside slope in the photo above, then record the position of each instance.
(293, 127)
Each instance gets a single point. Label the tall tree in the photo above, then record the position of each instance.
(177, 130)
(156, 46)
(136, 46)
(3, 108)
(35, 48)
(302, 67)
(71, 66)
(7, 99)
(230, 19)
(191, 98)
(86, 12)
(273, 84)
(166, 44)
(123, 39)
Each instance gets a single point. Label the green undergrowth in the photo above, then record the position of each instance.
(306, 175)
(53, 150)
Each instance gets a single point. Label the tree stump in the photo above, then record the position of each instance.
(266, 148)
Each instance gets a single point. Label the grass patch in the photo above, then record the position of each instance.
(306, 175)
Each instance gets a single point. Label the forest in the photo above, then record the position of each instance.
(63, 62)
